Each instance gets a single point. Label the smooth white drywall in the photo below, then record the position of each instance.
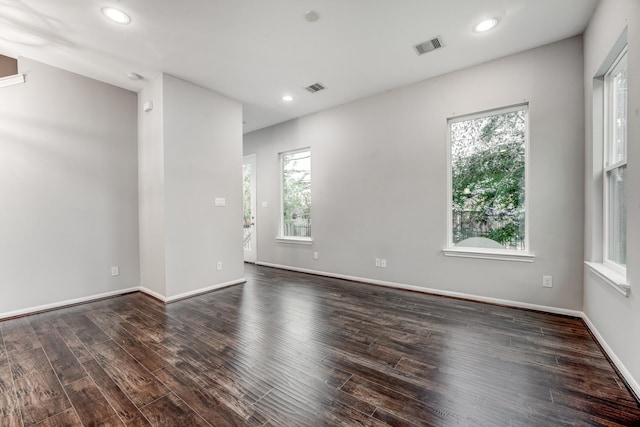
(68, 166)
(151, 188)
(379, 180)
(203, 160)
(615, 317)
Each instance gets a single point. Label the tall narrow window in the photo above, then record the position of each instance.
(615, 165)
(488, 159)
(296, 194)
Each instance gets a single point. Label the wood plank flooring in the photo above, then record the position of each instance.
(289, 349)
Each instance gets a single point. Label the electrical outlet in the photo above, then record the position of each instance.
(115, 271)
(383, 263)
(315, 255)
(547, 281)
(219, 265)
(377, 262)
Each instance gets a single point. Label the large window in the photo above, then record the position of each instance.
(488, 159)
(296, 194)
(615, 165)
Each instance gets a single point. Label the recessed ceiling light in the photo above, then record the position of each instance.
(116, 15)
(287, 98)
(485, 25)
(311, 16)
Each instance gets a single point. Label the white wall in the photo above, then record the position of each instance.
(190, 153)
(151, 188)
(69, 182)
(616, 318)
(68, 188)
(379, 180)
(203, 160)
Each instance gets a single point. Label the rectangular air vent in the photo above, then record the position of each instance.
(316, 87)
(428, 46)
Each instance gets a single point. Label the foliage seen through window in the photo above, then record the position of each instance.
(488, 178)
(296, 194)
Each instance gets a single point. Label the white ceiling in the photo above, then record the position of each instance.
(255, 51)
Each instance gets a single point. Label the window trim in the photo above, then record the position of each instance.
(451, 250)
(281, 238)
(487, 253)
(607, 147)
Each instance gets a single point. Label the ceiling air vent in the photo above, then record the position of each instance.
(428, 46)
(316, 87)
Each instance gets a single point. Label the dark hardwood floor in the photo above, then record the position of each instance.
(293, 349)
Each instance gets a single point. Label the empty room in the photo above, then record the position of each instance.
(319, 213)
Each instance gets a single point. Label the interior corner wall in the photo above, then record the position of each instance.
(615, 317)
(68, 166)
(190, 150)
(379, 181)
(151, 188)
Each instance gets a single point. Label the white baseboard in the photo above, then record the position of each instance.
(635, 386)
(153, 294)
(53, 306)
(509, 303)
(202, 290)
(67, 303)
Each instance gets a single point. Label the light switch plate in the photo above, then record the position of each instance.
(220, 202)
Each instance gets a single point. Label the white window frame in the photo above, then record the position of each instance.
(608, 167)
(606, 272)
(485, 253)
(281, 237)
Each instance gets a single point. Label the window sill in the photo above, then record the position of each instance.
(295, 240)
(494, 254)
(611, 277)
